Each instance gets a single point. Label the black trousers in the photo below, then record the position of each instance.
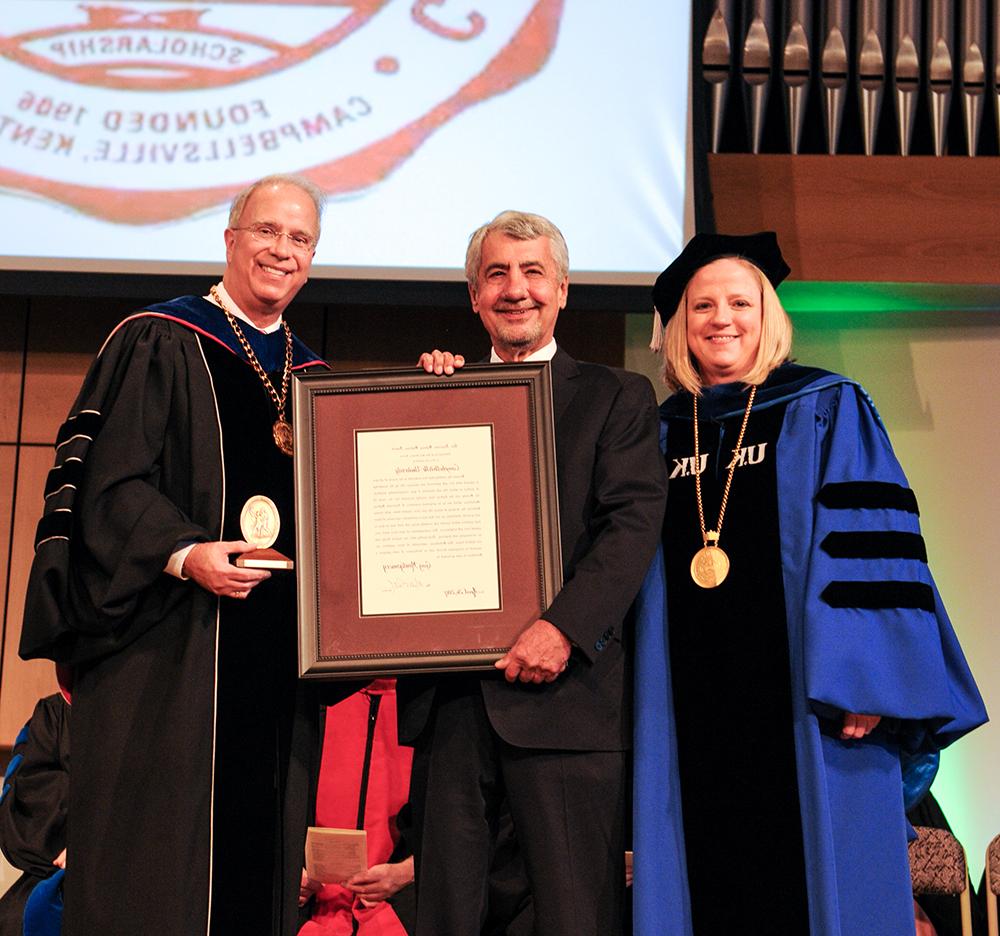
(568, 811)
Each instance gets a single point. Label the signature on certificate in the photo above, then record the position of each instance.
(463, 591)
(399, 584)
(406, 566)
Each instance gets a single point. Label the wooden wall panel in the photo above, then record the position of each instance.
(369, 336)
(23, 683)
(593, 336)
(904, 219)
(364, 337)
(63, 337)
(308, 323)
(8, 457)
(11, 366)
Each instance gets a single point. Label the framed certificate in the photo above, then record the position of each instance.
(427, 518)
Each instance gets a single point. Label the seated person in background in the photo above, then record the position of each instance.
(34, 799)
(364, 780)
(940, 914)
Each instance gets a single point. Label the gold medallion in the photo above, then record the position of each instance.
(710, 564)
(709, 567)
(283, 435)
(260, 521)
(281, 430)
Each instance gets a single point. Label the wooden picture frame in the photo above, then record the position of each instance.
(427, 517)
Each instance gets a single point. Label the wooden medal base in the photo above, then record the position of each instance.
(264, 559)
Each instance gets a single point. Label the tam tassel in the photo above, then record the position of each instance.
(656, 341)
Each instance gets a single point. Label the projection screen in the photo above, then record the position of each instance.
(125, 128)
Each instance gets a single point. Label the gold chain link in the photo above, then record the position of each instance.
(732, 469)
(279, 401)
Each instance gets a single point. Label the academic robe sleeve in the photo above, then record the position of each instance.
(660, 898)
(877, 637)
(120, 497)
(35, 791)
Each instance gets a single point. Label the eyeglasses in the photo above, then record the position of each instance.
(268, 234)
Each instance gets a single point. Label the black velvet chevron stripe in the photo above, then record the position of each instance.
(69, 472)
(87, 424)
(867, 495)
(888, 544)
(877, 595)
(57, 523)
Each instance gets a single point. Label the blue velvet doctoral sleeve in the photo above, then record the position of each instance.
(660, 892)
(877, 638)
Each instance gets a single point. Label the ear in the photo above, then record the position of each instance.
(473, 297)
(563, 292)
(230, 237)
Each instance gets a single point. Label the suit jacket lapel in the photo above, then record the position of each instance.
(564, 370)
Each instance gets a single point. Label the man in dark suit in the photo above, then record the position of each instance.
(549, 731)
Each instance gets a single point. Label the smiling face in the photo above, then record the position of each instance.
(724, 312)
(518, 294)
(263, 278)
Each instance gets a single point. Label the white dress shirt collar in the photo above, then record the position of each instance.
(542, 354)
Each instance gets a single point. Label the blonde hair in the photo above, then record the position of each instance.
(680, 368)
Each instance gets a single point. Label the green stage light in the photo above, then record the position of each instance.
(811, 296)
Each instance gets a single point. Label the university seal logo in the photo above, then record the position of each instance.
(152, 111)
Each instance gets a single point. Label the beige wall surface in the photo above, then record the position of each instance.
(934, 380)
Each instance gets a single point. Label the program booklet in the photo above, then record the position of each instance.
(334, 855)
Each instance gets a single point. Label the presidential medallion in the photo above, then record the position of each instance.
(282, 430)
(710, 564)
(709, 567)
(260, 523)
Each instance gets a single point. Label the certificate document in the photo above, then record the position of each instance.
(427, 520)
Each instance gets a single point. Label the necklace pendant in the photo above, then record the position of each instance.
(282, 431)
(710, 566)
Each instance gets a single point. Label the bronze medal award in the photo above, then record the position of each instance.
(260, 524)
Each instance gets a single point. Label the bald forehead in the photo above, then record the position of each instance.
(277, 203)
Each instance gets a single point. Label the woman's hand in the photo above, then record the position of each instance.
(381, 881)
(857, 726)
(307, 887)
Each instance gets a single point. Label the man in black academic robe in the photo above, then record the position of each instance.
(549, 734)
(189, 746)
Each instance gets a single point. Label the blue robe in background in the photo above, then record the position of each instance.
(867, 633)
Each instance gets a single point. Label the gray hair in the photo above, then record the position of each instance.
(521, 226)
(315, 193)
